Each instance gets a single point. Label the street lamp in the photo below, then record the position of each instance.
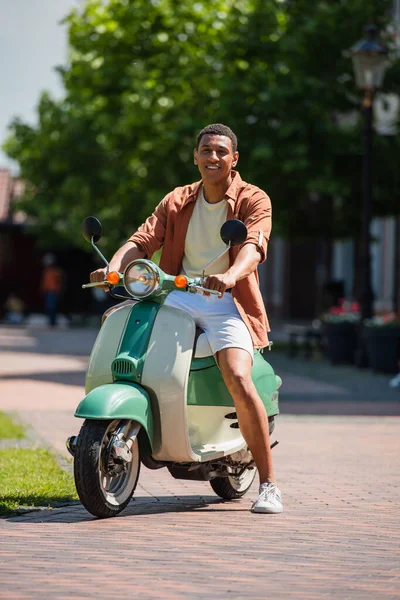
(370, 59)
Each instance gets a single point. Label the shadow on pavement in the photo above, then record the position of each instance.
(315, 387)
(333, 406)
(37, 500)
(63, 377)
(76, 513)
(78, 342)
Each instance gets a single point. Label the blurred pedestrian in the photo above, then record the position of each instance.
(52, 286)
(14, 309)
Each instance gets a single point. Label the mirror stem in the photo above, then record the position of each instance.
(215, 259)
(100, 254)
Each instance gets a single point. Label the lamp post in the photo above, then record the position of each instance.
(370, 59)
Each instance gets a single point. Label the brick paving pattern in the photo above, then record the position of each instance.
(337, 465)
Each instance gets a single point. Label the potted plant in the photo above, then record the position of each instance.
(339, 330)
(382, 336)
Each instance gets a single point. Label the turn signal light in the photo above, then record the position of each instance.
(180, 281)
(113, 278)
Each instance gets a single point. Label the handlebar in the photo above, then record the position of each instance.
(193, 287)
(95, 284)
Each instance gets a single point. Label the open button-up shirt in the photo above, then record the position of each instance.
(167, 228)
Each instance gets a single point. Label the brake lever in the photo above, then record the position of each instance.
(95, 284)
(203, 289)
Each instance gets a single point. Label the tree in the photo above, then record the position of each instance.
(142, 79)
(144, 76)
(297, 82)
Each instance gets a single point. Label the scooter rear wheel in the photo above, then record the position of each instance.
(101, 493)
(231, 487)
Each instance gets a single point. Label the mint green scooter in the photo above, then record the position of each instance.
(154, 394)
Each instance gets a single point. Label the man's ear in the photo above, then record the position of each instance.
(195, 156)
(235, 159)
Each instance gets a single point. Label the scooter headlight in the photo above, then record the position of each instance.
(141, 278)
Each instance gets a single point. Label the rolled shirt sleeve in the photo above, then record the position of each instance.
(150, 236)
(257, 216)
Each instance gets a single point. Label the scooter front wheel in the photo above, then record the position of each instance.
(231, 487)
(104, 487)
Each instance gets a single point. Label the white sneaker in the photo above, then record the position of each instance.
(269, 500)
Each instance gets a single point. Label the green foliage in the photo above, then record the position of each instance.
(30, 478)
(145, 75)
(290, 139)
(9, 429)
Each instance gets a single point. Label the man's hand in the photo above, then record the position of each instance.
(220, 283)
(99, 275)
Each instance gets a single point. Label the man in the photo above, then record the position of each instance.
(186, 225)
(51, 287)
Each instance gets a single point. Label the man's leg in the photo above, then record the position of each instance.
(51, 308)
(235, 365)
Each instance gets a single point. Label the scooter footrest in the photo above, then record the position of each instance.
(231, 415)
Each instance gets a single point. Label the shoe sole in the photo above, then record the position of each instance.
(267, 511)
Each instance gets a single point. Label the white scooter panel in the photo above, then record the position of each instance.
(188, 433)
(166, 371)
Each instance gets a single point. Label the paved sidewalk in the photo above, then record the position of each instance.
(338, 470)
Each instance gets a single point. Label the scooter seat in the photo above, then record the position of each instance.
(201, 347)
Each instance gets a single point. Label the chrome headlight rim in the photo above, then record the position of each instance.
(154, 271)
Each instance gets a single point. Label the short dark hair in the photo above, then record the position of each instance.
(218, 129)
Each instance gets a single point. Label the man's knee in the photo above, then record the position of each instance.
(236, 368)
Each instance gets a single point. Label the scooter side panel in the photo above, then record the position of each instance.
(265, 380)
(207, 388)
(106, 348)
(165, 372)
(118, 401)
(211, 433)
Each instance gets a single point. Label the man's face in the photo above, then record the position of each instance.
(215, 157)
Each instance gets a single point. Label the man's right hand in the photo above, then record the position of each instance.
(99, 275)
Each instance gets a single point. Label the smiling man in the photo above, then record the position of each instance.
(186, 224)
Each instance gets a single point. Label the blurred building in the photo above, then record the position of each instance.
(21, 258)
(300, 280)
(20, 265)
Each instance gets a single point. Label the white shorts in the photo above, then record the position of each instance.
(218, 317)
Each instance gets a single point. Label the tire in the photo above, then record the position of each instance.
(90, 475)
(231, 488)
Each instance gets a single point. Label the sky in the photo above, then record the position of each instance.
(32, 43)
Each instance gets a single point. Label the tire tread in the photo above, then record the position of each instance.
(86, 470)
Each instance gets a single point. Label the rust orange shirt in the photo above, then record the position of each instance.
(167, 228)
(52, 279)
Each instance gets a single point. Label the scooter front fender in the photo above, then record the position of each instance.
(119, 401)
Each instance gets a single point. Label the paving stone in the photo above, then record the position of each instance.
(339, 475)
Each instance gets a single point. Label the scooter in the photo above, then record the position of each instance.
(155, 395)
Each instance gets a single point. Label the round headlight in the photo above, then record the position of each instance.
(141, 278)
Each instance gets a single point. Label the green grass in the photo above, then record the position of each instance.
(9, 429)
(30, 478)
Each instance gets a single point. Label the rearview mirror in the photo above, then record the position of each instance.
(91, 228)
(233, 232)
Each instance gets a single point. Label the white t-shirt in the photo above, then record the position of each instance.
(203, 242)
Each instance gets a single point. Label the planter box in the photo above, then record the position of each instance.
(383, 347)
(341, 340)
